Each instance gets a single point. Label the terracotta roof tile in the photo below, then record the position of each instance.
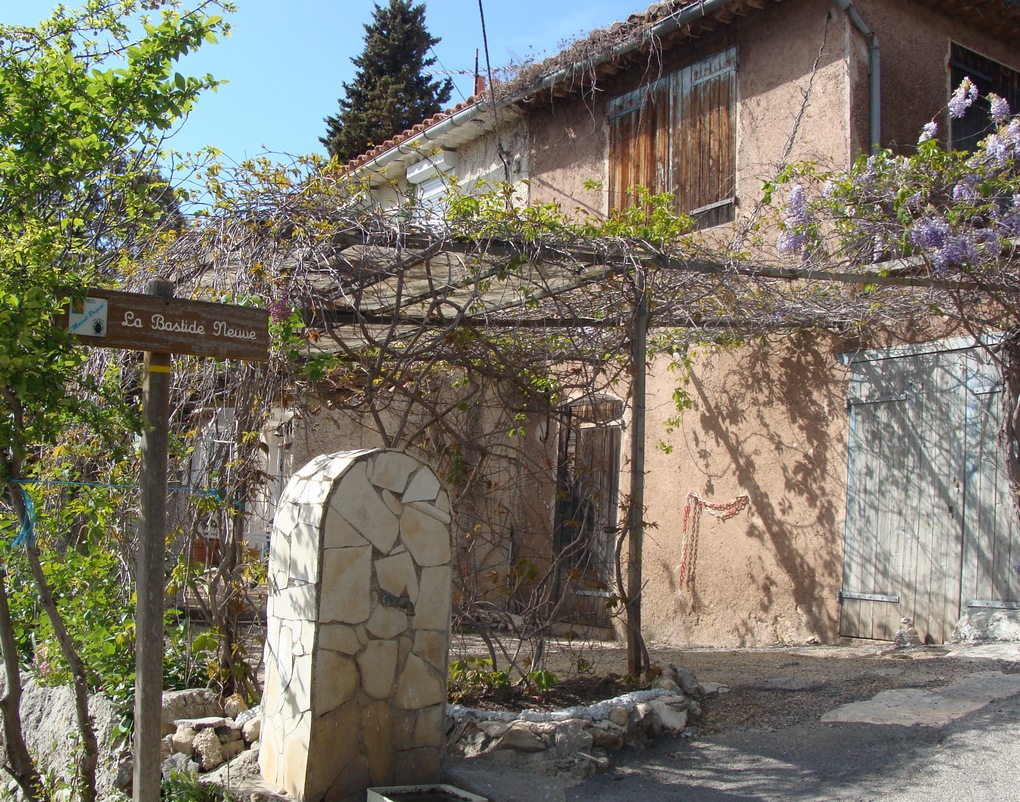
(411, 132)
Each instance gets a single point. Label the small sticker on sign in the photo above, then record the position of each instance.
(87, 317)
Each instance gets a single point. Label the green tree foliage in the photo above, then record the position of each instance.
(391, 90)
(86, 97)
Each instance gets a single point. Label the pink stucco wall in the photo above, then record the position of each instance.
(769, 419)
(570, 135)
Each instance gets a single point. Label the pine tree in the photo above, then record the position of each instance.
(391, 90)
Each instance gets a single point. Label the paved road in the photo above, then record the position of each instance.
(973, 758)
(959, 742)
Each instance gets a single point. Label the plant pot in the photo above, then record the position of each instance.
(422, 793)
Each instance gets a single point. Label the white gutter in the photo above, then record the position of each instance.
(421, 140)
(875, 68)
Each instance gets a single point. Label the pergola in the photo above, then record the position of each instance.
(377, 290)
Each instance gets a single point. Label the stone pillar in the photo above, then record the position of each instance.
(358, 627)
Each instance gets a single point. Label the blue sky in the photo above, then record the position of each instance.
(285, 60)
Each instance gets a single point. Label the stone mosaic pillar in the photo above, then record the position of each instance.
(358, 627)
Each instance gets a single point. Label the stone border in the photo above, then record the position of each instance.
(578, 738)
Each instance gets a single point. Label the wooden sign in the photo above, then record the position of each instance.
(109, 319)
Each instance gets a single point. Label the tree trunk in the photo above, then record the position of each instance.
(89, 753)
(19, 762)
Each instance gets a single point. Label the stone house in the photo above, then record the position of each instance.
(820, 486)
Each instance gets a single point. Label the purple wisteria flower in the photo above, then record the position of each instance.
(915, 203)
(864, 179)
(933, 235)
(930, 233)
(963, 98)
(795, 239)
(1008, 220)
(1012, 135)
(998, 149)
(966, 189)
(280, 309)
(796, 206)
(929, 131)
(879, 248)
(999, 109)
(957, 252)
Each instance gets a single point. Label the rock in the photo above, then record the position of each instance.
(667, 680)
(243, 779)
(193, 703)
(202, 723)
(234, 705)
(245, 716)
(607, 735)
(520, 737)
(251, 730)
(572, 736)
(493, 729)
(672, 714)
(208, 750)
(232, 749)
(469, 740)
(907, 635)
(183, 740)
(228, 734)
(585, 765)
(648, 722)
(620, 716)
(179, 763)
(124, 778)
(688, 683)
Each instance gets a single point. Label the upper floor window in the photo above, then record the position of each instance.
(678, 135)
(431, 180)
(990, 77)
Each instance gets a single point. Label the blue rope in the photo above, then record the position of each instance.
(26, 534)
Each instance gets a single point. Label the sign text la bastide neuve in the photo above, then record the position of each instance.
(109, 319)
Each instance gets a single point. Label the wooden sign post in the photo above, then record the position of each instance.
(149, 575)
(161, 326)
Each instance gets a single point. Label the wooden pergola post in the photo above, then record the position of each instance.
(636, 507)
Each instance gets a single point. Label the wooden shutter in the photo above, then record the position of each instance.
(704, 150)
(679, 135)
(639, 142)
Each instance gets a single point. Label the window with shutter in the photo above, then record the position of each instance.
(432, 178)
(678, 135)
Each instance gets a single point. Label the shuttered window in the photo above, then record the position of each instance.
(678, 135)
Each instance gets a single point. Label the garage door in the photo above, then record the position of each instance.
(930, 525)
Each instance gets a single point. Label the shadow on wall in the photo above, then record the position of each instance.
(776, 427)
